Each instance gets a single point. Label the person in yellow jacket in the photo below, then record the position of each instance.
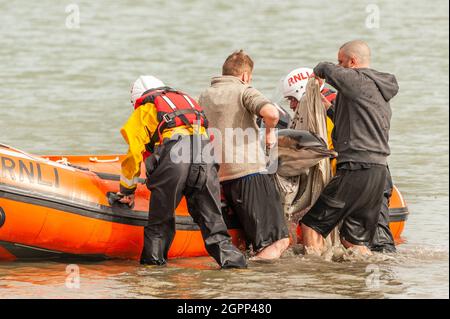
(167, 114)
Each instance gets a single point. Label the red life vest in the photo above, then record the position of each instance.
(174, 108)
(329, 94)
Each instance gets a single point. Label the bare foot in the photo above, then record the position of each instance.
(312, 239)
(261, 260)
(311, 250)
(274, 250)
(363, 250)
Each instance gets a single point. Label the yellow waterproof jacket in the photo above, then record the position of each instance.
(137, 132)
(330, 127)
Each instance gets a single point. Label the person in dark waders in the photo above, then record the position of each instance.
(163, 121)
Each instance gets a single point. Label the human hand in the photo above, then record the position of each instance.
(271, 138)
(126, 199)
(319, 80)
(325, 101)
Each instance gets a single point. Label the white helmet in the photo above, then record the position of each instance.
(294, 84)
(142, 84)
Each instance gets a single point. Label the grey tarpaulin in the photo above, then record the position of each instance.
(299, 193)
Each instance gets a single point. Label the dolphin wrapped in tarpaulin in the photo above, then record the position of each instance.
(299, 150)
(301, 189)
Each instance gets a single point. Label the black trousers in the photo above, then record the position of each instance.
(383, 241)
(168, 182)
(256, 202)
(353, 197)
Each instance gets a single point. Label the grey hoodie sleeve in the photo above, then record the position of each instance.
(347, 81)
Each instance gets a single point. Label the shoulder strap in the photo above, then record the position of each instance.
(150, 95)
(170, 117)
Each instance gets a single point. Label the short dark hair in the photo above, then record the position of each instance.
(237, 63)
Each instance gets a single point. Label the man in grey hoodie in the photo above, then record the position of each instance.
(360, 136)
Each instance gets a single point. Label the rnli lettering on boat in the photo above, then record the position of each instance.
(24, 171)
(299, 77)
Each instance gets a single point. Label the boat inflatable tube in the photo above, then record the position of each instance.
(60, 207)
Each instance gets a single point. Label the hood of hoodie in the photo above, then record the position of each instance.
(386, 82)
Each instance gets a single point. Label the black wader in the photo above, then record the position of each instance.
(168, 182)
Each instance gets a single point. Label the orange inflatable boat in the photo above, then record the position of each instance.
(57, 207)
